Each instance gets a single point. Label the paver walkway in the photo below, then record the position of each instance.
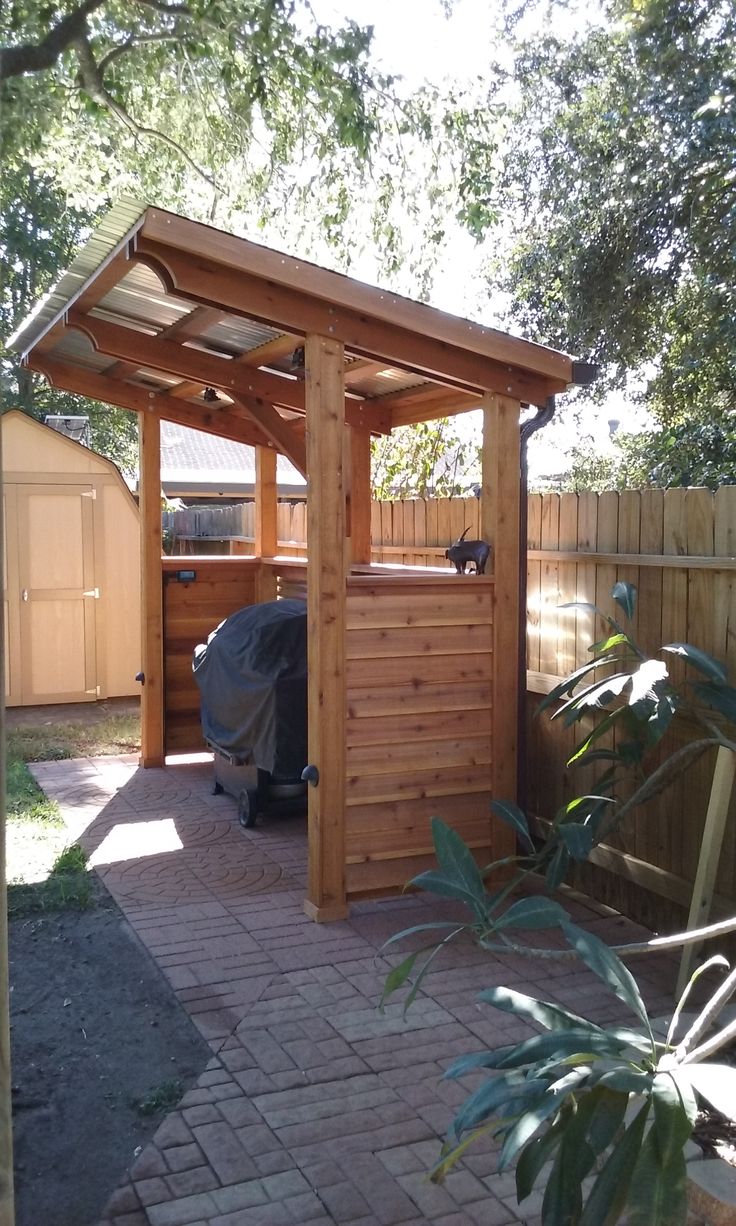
(314, 1107)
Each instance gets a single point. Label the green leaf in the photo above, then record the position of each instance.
(600, 695)
(441, 925)
(614, 640)
(438, 883)
(604, 963)
(506, 1093)
(607, 1116)
(625, 1081)
(610, 1190)
(671, 1124)
(535, 912)
(567, 686)
(577, 839)
(658, 1190)
(602, 728)
(552, 1017)
(523, 1130)
(647, 681)
(557, 868)
(456, 862)
(625, 596)
(451, 1153)
(720, 698)
(516, 818)
(563, 1194)
(398, 976)
(536, 1153)
(473, 1061)
(558, 1044)
(699, 659)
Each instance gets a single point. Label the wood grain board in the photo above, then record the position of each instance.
(419, 726)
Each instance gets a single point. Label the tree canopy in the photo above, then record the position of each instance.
(239, 111)
(109, 94)
(39, 235)
(698, 451)
(618, 188)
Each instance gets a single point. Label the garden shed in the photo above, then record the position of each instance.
(413, 673)
(72, 560)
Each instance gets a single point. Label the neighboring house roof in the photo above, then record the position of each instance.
(193, 462)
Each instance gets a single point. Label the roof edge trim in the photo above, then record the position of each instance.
(107, 240)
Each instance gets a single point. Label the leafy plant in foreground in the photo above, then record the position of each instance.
(611, 1104)
(565, 1097)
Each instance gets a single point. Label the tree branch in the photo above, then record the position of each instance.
(92, 82)
(169, 10)
(36, 57)
(130, 44)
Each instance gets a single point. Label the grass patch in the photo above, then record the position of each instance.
(25, 802)
(44, 874)
(159, 1099)
(54, 742)
(67, 887)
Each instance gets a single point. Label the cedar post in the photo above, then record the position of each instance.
(359, 440)
(266, 510)
(326, 598)
(152, 694)
(7, 1211)
(500, 493)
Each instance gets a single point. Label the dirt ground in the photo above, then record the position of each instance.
(101, 1049)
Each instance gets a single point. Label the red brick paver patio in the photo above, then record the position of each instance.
(314, 1108)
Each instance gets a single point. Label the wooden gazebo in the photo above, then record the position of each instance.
(413, 692)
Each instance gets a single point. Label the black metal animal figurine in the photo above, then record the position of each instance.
(464, 551)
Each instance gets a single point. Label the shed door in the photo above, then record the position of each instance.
(57, 593)
(11, 596)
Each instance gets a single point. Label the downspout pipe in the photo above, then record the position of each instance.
(583, 374)
(542, 418)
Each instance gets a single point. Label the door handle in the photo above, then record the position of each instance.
(24, 595)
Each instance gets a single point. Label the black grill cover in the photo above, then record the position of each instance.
(252, 678)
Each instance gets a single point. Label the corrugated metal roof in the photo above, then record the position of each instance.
(75, 347)
(386, 381)
(239, 335)
(109, 237)
(140, 296)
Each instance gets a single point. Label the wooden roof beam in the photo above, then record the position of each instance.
(279, 431)
(199, 280)
(191, 325)
(271, 350)
(363, 368)
(201, 369)
(229, 424)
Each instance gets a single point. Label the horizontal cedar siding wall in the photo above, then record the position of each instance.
(191, 612)
(419, 722)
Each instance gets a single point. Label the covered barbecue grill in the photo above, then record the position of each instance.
(252, 678)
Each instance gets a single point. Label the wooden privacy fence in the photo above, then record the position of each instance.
(679, 548)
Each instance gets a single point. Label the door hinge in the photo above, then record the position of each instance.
(89, 494)
(94, 592)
